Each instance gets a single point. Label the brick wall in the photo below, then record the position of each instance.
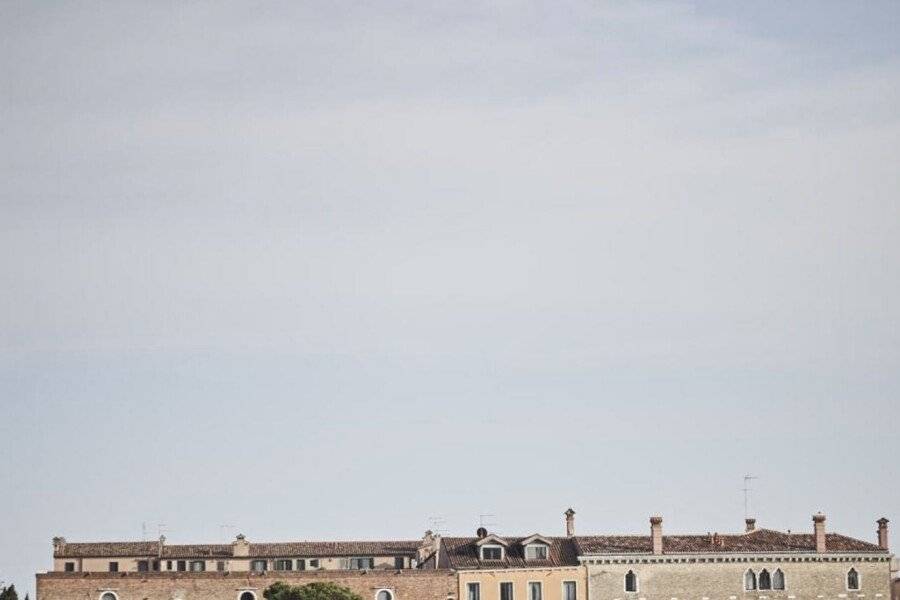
(405, 585)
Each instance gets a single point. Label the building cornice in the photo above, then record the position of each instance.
(731, 557)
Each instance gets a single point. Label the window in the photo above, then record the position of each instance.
(284, 564)
(113, 567)
(631, 582)
(182, 565)
(258, 565)
(198, 565)
(535, 591)
(301, 564)
(220, 565)
(168, 565)
(749, 580)
(248, 595)
(765, 582)
(69, 567)
(491, 553)
(852, 579)
(314, 563)
(473, 591)
(569, 590)
(778, 580)
(156, 565)
(384, 595)
(362, 563)
(108, 596)
(398, 562)
(506, 590)
(536, 552)
(143, 566)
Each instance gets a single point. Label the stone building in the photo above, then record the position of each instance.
(756, 564)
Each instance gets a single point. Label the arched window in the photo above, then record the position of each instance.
(384, 595)
(631, 582)
(852, 579)
(248, 595)
(765, 580)
(749, 580)
(108, 596)
(778, 580)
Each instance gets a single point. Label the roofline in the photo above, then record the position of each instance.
(766, 555)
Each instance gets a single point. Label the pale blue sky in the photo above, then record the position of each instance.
(326, 271)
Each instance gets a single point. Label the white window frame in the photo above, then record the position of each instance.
(500, 589)
(104, 592)
(492, 546)
(858, 587)
(637, 582)
(469, 586)
(537, 545)
(563, 588)
(540, 585)
(389, 591)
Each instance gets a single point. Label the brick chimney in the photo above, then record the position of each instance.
(240, 546)
(750, 524)
(883, 533)
(570, 523)
(819, 530)
(656, 534)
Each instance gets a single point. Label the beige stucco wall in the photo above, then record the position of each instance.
(551, 578)
(724, 581)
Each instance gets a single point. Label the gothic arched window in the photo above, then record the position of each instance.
(765, 581)
(631, 582)
(749, 580)
(778, 580)
(852, 579)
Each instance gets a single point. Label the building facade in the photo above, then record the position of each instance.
(757, 564)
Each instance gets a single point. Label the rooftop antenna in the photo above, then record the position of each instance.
(747, 489)
(160, 528)
(486, 520)
(143, 531)
(436, 524)
(223, 531)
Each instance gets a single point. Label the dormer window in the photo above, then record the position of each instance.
(536, 552)
(491, 547)
(492, 553)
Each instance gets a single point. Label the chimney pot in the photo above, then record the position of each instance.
(570, 522)
(750, 524)
(481, 532)
(883, 533)
(819, 530)
(656, 534)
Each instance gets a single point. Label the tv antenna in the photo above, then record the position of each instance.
(223, 529)
(748, 490)
(160, 528)
(486, 520)
(436, 524)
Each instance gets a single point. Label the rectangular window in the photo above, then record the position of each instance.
(143, 566)
(301, 564)
(506, 590)
(113, 567)
(492, 553)
(284, 564)
(314, 563)
(182, 565)
(362, 563)
(536, 552)
(569, 590)
(258, 565)
(156, 565)
(168, 565)
(198, 565)
(70, 567)
(398, 562)
(535, 592)
(220, 565)
(473, 591)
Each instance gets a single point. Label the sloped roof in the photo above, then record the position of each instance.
(462, 553)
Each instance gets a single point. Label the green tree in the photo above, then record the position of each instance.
(311, 591)
(9, 593)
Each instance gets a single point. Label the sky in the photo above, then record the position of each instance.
(357, 270)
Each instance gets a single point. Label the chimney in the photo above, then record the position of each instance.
(59, 544)
(430, 545)
(162, 542)
(750, 524)
(819, 530)
(570, 523)
(882, 533)
(240, 546)
(656, 534)
(481, 533)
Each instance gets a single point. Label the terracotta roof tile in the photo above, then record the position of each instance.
(462, 553)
